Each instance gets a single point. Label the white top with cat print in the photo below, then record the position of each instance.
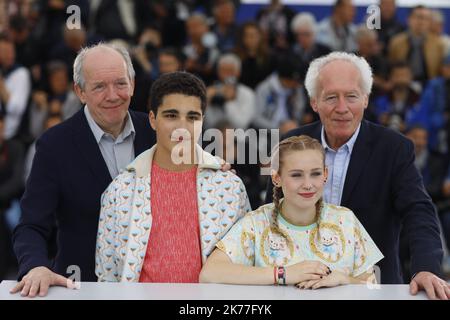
(340, 241)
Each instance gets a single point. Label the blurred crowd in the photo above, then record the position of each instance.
(254, 72)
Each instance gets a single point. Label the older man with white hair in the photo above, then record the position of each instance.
(371, 171)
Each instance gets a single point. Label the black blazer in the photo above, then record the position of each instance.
(67, 179)
(385, 191)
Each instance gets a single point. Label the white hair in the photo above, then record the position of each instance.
(78, 76)
(304, 19)
(230, 58)
(312, 76)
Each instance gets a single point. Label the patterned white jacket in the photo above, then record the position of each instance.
(126, 219)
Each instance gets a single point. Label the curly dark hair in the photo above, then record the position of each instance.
(180, 82)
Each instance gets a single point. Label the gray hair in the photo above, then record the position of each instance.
(230, 58)
(78, 77)
(437, 16)
(312, 76)
(304, 19)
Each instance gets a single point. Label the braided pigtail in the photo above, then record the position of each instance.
(277, 195)
(319, 207)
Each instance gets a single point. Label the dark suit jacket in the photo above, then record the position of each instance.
(385, 191)
(66, 181)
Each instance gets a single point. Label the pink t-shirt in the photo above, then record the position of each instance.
(173, 252)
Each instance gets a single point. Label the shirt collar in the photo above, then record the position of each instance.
(99, 133)
(349, 144)
(143, 162)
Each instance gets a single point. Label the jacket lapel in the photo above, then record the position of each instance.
(88, 148)
(359, 158)
(316, 131)
(144, 137)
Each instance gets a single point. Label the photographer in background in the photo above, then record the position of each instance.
(399, 108)
(57, 97)
(201, 49)
(229, 100)
(146, 53)
(145, 60)
(281, 99)
(15, 87)
(240, 152)
(170, 60)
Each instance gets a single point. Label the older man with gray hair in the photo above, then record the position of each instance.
(74, 163)
(228, 99)
(306, 48)
(437, 28)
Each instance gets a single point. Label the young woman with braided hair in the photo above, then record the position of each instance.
(297, 239)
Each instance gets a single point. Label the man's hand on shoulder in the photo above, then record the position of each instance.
(225, 166)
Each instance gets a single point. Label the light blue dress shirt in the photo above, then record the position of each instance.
(337, 163)
(117, 153)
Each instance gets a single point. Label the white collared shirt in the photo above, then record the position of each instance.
(337, 163)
